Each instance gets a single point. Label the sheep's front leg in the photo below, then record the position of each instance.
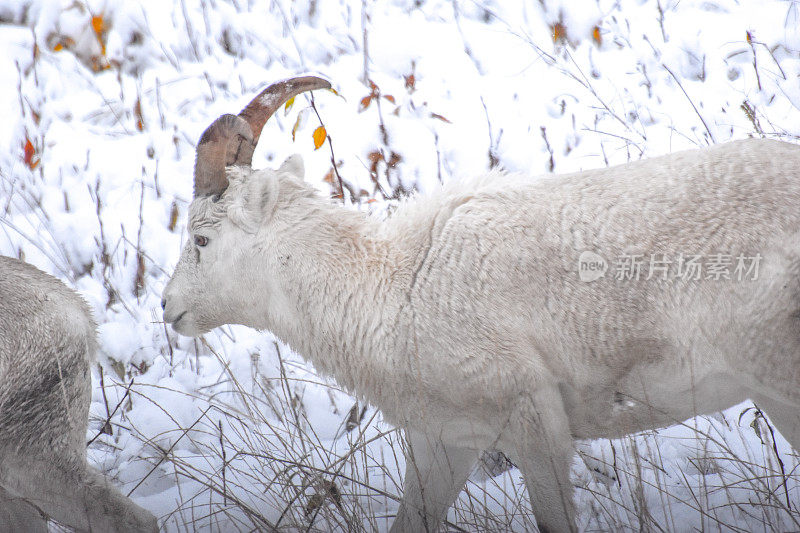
(544, 454)
(784, 415)
(435, 475)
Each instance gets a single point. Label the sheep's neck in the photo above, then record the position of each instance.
(343, 291)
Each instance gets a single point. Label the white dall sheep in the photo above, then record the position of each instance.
(47, 343)
(472, 317)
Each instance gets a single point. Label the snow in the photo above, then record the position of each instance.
(488, 84)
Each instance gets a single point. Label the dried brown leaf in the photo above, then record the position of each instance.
(173, 217)
(411, 82)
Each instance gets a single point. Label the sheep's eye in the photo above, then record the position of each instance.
(200, 240)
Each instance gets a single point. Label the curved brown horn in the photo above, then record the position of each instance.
(260, 108)
(231, 139)
(219, 147)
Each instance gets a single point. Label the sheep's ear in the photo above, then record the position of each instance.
(294, 166)
(264, 196)
(257, 203)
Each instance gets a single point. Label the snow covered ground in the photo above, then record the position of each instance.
(105, 99)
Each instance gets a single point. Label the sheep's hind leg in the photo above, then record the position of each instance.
(435, 475)
(70, 493)
(544, 451)
(17, 514)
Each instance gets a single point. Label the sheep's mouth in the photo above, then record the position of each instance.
(176, 321)
(179, 317)
(184, 325)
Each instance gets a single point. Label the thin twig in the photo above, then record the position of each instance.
(330, 145)
(114, 411)
(674, 77)
(166, 452)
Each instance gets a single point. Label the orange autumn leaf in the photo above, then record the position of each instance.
(98, 24)
(559, 32)
(63, 43)
(288, 106)
(30, 158)
(29, 151)
(137, 113)
(99, 27)
(365, 102)
(596, 35)
(389, 97)
(319, 137)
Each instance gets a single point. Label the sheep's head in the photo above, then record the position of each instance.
(230, 204)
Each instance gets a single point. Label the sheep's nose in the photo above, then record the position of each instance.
(163, 304)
